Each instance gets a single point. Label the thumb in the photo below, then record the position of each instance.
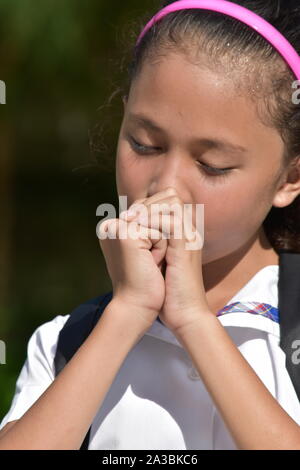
(159, 250)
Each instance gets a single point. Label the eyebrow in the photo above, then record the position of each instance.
(212, 143)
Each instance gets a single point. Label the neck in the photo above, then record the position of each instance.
(224, 277)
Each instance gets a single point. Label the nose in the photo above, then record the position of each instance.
(177, 170)
(171, 171)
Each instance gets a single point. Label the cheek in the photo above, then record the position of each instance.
(232, 216)
(131, 177)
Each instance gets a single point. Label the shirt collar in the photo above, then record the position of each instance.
(253, 306)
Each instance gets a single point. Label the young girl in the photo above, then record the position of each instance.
(186, 354)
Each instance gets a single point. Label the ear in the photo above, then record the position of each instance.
(290, 189)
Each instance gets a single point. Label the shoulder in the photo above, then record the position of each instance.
(252, 319)
(41, 349)
(59, 331)
(37, 371)
(44, 338)
(50, 327)
(261, 349)
(255, 306)
(43, 343)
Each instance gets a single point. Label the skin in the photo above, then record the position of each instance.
(228, 261)
(189, 102)
(235, 245)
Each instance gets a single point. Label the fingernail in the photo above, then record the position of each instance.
(143, 219)
(129, 213)
(132, 212)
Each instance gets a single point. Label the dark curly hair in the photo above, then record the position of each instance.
(249, 52)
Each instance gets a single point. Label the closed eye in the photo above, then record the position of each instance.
(141, 148)
(214, 170)
(148, 150)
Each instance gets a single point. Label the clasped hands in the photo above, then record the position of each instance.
(185, 301)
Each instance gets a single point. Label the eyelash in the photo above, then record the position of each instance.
(144, 150)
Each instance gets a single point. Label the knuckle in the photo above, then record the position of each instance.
(176, 200)
(138, 202)
(108, 225)
(103, 226)
(138, 206)
(159, 207)
(170, 190)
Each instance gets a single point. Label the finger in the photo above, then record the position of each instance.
(164, 215)
(154, 240)
(161, 195)
(168, 224)
(137, 204)
(177, 227)
(158, 206)
(148, 237)
(159, 251)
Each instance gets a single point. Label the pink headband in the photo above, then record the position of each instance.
(248, 17)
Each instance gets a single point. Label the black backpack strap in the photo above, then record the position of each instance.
(289, 312)
(75, 331)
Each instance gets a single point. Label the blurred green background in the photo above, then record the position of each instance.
(61, 62)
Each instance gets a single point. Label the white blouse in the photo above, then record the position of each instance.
(157, 399)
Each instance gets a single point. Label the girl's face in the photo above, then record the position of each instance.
(199, 128)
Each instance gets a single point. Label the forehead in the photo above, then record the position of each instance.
(190, 100)
(174, 78)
